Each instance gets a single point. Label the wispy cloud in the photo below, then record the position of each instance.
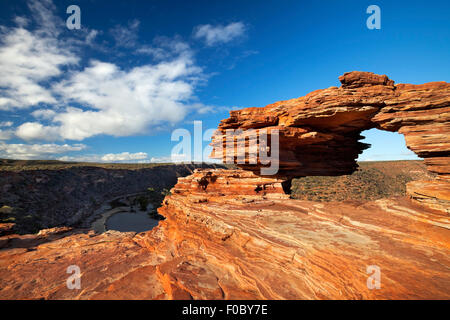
(91, 35)
(126, 36)
(213, 35)
(6, 123)
(138, 157)
(6, 134)
(165, 48)
(124, 156)
(35, 151)
(172, 158)
(44, 114)
(208, 109)
(43, 13)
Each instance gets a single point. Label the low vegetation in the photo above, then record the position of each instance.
(373, 180)
(20, 165)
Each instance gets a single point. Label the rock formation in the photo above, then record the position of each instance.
(250, 246)
(234, 234)
(229, 241)
(227, 184)
(319, 133)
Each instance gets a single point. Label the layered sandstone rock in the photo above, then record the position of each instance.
(319, 133)
(229, 184)
(234, 234)
(213, 245)
(236, 248)
(434, 194)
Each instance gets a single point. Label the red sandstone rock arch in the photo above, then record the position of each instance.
(320, 133)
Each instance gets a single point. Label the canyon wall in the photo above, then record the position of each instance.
(66, 197)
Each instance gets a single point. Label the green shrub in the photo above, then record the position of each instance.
(165, 192)
(6, 210)
(143, 203)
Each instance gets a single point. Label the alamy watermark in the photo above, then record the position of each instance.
(374, 20)
(374, 280)
(74, 281)
(254, 146)
(74, 20)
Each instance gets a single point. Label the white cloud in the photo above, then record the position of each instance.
(123, 102)
(139, 157)
(204, 109)
(6, 124)
(91, 36)
(109, 99)
(36, 131)
(35, 151)
(83, 158)
(126, 36)
(124, 156)
(43, 12)
(6, 134)
(46, 114)
(179, 158)
(170, 159)
(21, 22)
(214, 35)
(27, 59)
(165, 48)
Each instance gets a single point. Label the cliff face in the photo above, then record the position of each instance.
(319, 133)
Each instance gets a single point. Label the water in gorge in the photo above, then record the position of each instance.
(131, 213)
(131, 221)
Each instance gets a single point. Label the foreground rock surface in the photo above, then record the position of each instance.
(247, 246)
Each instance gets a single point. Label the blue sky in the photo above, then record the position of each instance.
(137, 70)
